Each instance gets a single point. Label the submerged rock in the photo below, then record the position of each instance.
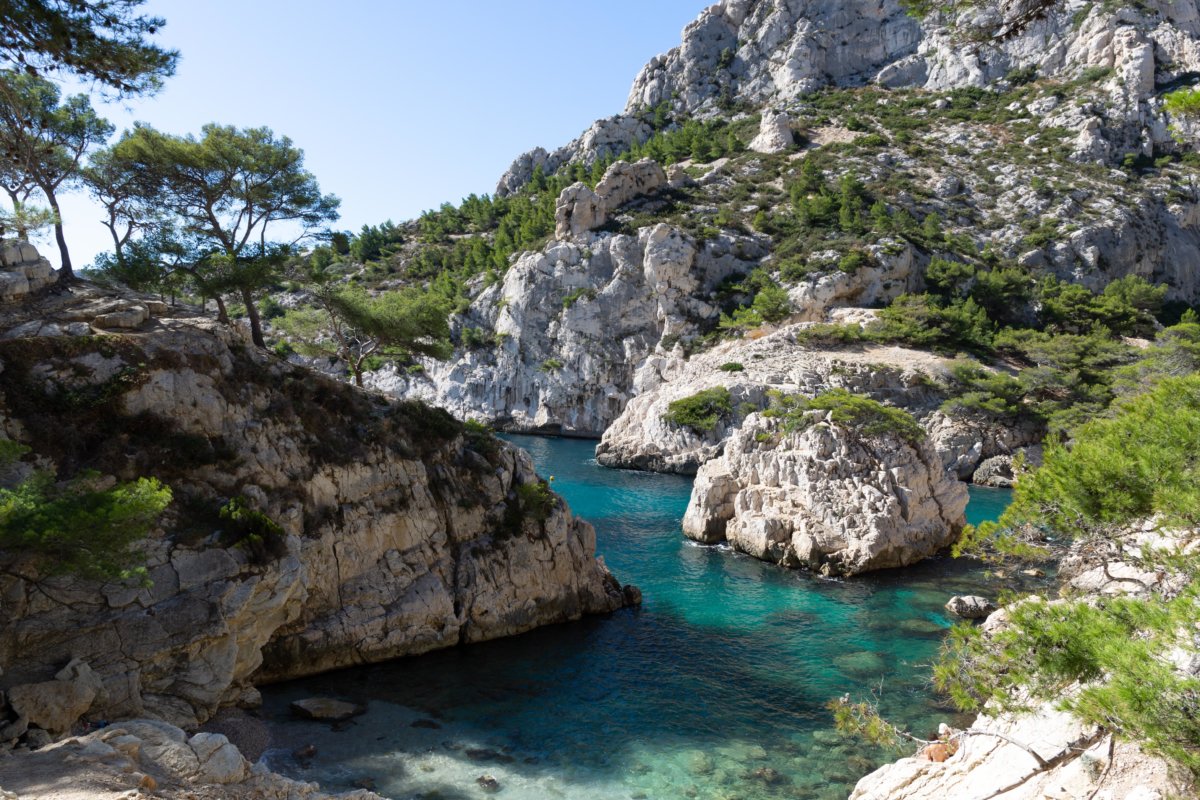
(326, 708)
(827, 498)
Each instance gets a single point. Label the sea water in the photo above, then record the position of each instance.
(717, 687)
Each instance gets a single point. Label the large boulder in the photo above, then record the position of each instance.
(774, 134)
(22, 270)
(970, 606)
(57, 705)
(827, 497)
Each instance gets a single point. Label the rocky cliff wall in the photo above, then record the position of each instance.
(401, 533)
(566, 329)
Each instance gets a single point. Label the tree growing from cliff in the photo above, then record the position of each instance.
(98, 40)
(80, 526)
(223, 195)
(44, 139)
(349, 324)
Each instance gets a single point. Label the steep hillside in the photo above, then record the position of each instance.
(835, 151)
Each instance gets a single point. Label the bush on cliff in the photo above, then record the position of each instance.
(1139, 464)
(862, 414)
(702, 411)
(78, 526)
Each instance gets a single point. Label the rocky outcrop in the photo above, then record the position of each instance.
(1077, 759)
(641, 438)
(22, 270)
(964, 443)
(605, 138)
(1087, 764)
(774, 134)
(970, 606)
(146, 757)
(894, 267)
(763, 52)
(826, 497)
(400, 532)
(567, 328)
(579, 209)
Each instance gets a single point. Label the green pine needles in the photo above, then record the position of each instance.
(78, 526)
(1110, 661)
(868, 417)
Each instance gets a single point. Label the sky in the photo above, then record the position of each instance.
(399, 106)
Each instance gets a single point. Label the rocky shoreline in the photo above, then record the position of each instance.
(396, 532)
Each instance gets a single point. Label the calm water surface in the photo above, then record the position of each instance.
(715, 688)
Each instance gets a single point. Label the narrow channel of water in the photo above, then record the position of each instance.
(715, 688)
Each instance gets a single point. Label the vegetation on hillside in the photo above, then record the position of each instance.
(1138, 465)
(84, 526)
(1113, 661)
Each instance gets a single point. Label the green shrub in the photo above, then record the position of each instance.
(1140, 463)
(862, 414)
(1183, 102)
(830, 335)
(772, 303)
(732, 366)
(252, 530)
(927, 322)
(702, 411)
(576, 294)
(852, 262)
(536, 499)
(981, 391)
(77, 527)
(551, 364)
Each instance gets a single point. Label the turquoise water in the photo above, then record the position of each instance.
(715, 688)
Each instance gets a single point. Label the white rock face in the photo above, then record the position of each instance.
(22, 270)
(826, 498)
(579, 209)
(894, 268)
(641, 439)
(984, 766)
(606, 137)
(762, 51)
(767, 51)
(774, 134)
(570, 325)
(147, 757)
(964, 443)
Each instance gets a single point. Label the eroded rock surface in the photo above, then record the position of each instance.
(148, 757)
(401, 534)
(826, 498)
(566, 329)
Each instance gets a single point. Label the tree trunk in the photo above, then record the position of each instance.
(222, 314)
(255, 323)
(66, 274)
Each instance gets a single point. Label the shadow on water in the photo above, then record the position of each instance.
(717, 685)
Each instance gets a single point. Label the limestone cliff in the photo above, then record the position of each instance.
(402, 532)
(1044, 144)
(566, 329)
(826, 497)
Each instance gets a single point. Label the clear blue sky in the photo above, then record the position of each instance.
(398, 105)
